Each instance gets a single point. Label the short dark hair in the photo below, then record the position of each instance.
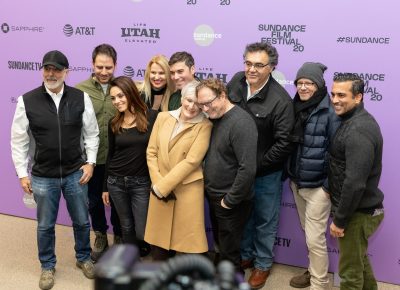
(183, 56)
(263, 46)
(105, 49)
(357, 84)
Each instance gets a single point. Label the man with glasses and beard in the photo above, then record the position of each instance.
(53, 119)
(229, 167)
(256, 91)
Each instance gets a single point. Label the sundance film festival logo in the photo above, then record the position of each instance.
(140, 33)
(369, 84)
(203, 73)
(69, 30)
(204, 35)
(20, 28)
(132, 73)
(283, 34)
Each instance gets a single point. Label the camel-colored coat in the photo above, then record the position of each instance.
(175, 165)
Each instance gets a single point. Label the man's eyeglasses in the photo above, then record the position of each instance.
(307, 85)
(207, 104)
(257, 65)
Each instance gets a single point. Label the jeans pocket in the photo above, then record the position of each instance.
(143, 181)
(111, 180)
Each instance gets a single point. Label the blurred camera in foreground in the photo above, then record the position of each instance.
(120, 268)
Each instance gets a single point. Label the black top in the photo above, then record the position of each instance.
(127, 150)
(230, 163)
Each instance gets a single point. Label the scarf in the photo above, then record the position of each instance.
(302, 110)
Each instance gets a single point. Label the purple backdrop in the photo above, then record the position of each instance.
(346, 36)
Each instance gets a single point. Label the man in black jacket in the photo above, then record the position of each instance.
(355, 167)
(256, 91)
(55, 120)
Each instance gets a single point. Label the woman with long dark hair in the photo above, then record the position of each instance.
(128, 181)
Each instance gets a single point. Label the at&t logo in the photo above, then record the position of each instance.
(69, 30)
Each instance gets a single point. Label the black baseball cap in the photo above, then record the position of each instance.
(56, 58)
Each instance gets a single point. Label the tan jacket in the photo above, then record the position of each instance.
(175, 165)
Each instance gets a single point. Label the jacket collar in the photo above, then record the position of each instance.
(176, 113)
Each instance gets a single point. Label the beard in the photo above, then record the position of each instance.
(51, 85)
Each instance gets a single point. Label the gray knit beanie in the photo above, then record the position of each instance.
(313, 71)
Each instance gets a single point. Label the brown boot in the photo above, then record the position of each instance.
(301, 281)
(258, 278)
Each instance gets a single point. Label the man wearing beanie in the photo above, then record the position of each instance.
(53, 119)
(315, 126)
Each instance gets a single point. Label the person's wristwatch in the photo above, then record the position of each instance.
(91, 163)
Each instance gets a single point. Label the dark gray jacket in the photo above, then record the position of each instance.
(272, 111)
(355, 166)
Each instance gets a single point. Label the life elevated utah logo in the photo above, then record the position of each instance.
(204, 72)
(140, 33)
(69, 30)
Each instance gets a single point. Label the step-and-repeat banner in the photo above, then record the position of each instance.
(348, 36)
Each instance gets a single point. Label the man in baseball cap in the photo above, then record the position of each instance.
(58, 163)
(55, 58)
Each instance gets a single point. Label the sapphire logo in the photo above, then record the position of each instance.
(20, 28)
(140, 33)
(68, 30)
(129, 71)
(5, 28)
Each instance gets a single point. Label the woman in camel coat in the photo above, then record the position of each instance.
(177, 146)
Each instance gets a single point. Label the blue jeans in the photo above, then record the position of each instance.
(260, 232)
(47, 193)
(130, 195)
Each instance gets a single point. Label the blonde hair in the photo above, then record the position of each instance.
(145, 89)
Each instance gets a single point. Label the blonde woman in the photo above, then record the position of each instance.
(177, 146)
(157, 85)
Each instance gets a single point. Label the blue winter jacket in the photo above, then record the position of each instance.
(307, 165)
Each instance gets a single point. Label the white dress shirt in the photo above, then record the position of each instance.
(22, 142)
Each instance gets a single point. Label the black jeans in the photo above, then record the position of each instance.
(228, 226)
(131, 199)
(96, 205)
